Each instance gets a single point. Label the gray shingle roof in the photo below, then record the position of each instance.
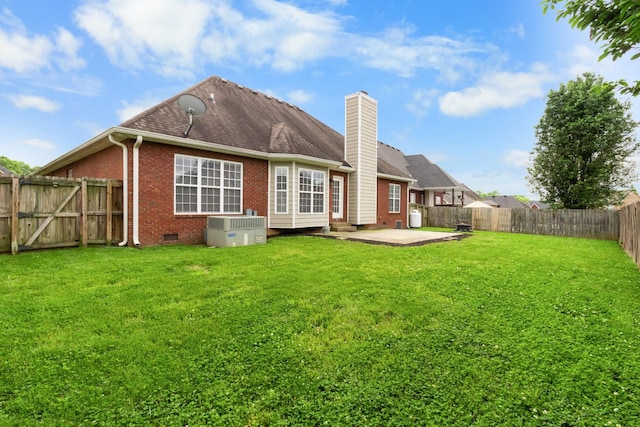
(430, 175)
(506, 202)
(391, 161)
(246, 119)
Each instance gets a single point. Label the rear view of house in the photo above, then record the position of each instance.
(245, 152)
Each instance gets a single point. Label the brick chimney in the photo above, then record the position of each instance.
(361, 151)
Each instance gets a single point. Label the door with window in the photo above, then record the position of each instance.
(337, 196)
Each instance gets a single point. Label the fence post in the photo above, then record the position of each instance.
(109, 231)
(85, 223)
(15, 209)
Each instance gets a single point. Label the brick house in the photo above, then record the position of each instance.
(246, 151)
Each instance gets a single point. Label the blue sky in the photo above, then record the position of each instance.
(463, 82)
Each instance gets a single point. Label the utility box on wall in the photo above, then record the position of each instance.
(230, 231)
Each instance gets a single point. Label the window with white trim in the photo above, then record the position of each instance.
(207, 185)
(394, 198)
(311, 191)
(282, 190)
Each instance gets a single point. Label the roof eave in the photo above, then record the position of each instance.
(396, 178)
(95, 144)
(100, 141)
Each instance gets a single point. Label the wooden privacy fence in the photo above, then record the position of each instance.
(630, 231)
(588, 223)
(48, 212)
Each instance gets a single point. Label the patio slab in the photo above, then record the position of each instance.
(395, 237)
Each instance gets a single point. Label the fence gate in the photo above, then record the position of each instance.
(51, 212)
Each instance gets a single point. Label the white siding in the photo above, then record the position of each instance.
(361, 151)
(281, 220)
(294, 219)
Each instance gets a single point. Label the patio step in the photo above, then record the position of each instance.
(343, 226)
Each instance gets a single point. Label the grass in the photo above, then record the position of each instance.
(497, 329)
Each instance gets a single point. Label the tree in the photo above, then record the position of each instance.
(489, 194)
(523, 199)
(614, 22)
(585, 146)
(16, 166)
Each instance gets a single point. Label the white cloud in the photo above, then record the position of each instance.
(40, 144)
(421, 101)
(68, 45)
(516, 158)
(159, 33)
(300, 97)
(36, 102)
(179, 37)
(496, 90)
(130, 110)
(21, 52)
(284, 36)
(397, 51)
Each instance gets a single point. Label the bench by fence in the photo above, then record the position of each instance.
(50, 212)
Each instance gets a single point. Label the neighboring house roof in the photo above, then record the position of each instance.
(506, 202)
(5, 171)
(537, 204)
(427, 175)
(391, 161)
(631, 198)
(478, 204)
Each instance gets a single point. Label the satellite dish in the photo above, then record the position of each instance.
(193, 106)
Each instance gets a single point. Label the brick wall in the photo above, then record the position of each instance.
(157, 222)
(387, 219)
(103, 164)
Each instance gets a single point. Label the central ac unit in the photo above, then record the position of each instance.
(229, 231)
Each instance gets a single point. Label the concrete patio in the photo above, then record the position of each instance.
(395, 237)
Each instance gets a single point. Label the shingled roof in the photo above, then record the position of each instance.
(243, 118)
(427, 175)
(391, 161)
(4, 171)
(430, 175)
(506, 202)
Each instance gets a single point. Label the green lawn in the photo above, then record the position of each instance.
(496, 329)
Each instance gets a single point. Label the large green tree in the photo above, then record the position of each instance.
(616, 23)
(585, 145)
(16, 166)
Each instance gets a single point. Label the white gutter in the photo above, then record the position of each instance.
(125, 191)
(136, 186)
(396, 178)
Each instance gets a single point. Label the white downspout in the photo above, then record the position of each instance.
(136, 186)
(125, 191)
